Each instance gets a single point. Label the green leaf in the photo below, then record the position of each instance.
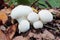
(24, 2)
(54, 3)
(42, 4)
(32, 1)
(13, 2)
(5, 0)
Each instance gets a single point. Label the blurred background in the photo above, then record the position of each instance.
(35, 3)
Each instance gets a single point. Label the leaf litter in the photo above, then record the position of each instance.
(50, 31)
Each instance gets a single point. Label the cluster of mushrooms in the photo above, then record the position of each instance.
(26, 16)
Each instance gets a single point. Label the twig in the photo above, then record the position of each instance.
(50, 27)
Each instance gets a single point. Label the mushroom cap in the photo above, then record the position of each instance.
(45, 16)
(20, 10)
(32, 17)
(37, 24)
(24, 26)
(21, 18)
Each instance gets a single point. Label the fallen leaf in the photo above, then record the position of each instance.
(11, 31)
(2, 28)
(38, 36)
(57, 38)
(30, 34)
(3, 17)
(21, 38)
(6, 10)
(18, 38)
(3, 36)
(48, 35)
(57, 21)
(58, 15)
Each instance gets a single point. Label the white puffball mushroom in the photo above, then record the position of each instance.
(23, 26)
(45, 16)
(21, 18)
(20, 10)
(32, 17)
(38, 24)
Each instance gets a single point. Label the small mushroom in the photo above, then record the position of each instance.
(33, 17)
(45, 16)
(37, 24)
(23, 26)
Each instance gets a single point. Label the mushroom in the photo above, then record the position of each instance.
(23, 26)
(33, 17)
(45, 16)
(37, 24)
(20, 13)
(21, 10)
(21, 18)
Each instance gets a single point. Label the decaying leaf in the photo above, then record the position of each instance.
(2, 28)
(21, 38)
(58, 15)
(30, 34)
(3, 36)
(47, 35)
(18, 38)
(3, 17)
(57, 38)
(11, 31)
(6, 10)
(57, 21)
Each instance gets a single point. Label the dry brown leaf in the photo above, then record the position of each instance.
(2, 28)
(57, 21)
(57, 38)
(30, 34)
(38, 36)
(21, 38)
(11, 30)
(18, 38)
(46, 34)
(3, 36)
(6, 10)
(51, 10)
(58, 15)
(3, 17)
